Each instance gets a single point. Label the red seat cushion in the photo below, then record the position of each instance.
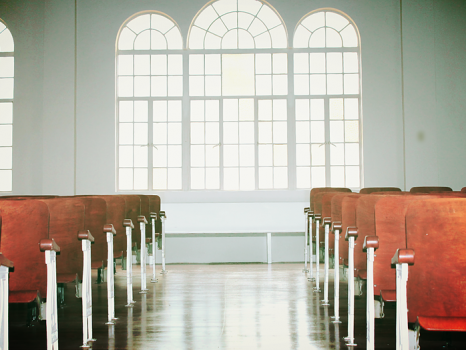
(23, 296)
(444, 324)
(66, 277)
(97, 265)
(388, 295)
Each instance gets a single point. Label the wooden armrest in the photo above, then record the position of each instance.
(306, 210)
(5, 262)
(85, 234)
(317, 216)
(403, 256)
(153, 216)
(142, 218)
(336, 225)
(48, 244)
(162, 214)
(351, 231)
(128, 223)
(370, 242)
(327, 221)
(109, 228)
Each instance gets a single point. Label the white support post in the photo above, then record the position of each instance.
(336, 281)
(269, 248)
(317, 287)
(50, 248)
(129, 263)
(327, 229)
(142, 224)
(5, 265)
(110, 231)
(162, 218)
(86, 240)
(402, 333)
(154, 247)
(306, 234)
(350, 337)
(370, 318)
(309, 247)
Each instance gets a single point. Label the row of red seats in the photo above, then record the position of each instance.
(389, 219)
(25, 221)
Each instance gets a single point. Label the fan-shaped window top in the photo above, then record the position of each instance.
(237, 24)
(6, 40)
(150, 32)
(325, 29)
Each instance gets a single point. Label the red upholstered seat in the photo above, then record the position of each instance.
(463, 189)
(446, 324)
(368, 190)
(23, 296)
(388, 295)
(427, 189)
(348, 219)
(66, 277)
(132, 211)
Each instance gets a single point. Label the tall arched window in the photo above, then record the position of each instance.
(7, 72)
(149, 103)
(238, 87)
(327, 100)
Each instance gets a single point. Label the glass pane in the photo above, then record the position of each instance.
(230, 155)
(138, 24)
(317, 109)
(280, 156)
(141, 111)
(263, 63)
(318, 86)
(314, 21)
(337, 176)
(174, 133)
(159, 181)
(351, 83)
(303, 177)
(231, 179)
(160, 111)
(337, 154)
(237, 74)
(197, 111)
(318, 38)
(350, 38)
(125, 87)
(174, 111)
(336, 131)
(246, 155)
(196, 64)
(301, 63)
(336, 21)
(302, 109)
(140, 134)
(301, 37)
(280, 63)
(247, 179)
(196, 38)
(6, 39)
(279, 109)
(212, 155)
(230, 39)
(301, 85)
(265, 178)
(212, 110)
(197, 156)
(125, 156)
(334, 62)
(317, 62)
(140, 156)
(142, 65)
(140, 179)
(217, 28)
(6, 113)
(174, 179)
(351, 108)
(333, 38)
(318, 154)
(351, 131)
(125, 179)
(352, 176)
(230, 110)
(279, 132)
(160, 156)
(6, 180)
(280, 84)
(246, 109)
(265, 132)
(126, 39)
(212, 64)
(125, 133)
(335, 84)
(263, 41)
(196, 86)
(352, 154)
(303, 155)
(142, 86)
(318, 176)
(175, 64)
(212, 179)
(263, 85)
(175, 86)
(351, 62)
(230, 132)
(213, 86)
(197, 178)
(6, 158)
(302, 132)
(158, 86)
(280, 177)
(125, 65)
(265, 109)
(245, 40)
(336, 108)
(265, 155)
(246, 132)
(211, 133)
(197, 133)
(317, 132)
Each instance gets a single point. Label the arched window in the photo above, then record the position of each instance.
(7, 71)
(327, 100)
(149, 103)
(238, 87)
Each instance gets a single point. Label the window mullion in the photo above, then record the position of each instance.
(186, 126)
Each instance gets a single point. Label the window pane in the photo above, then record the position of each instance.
(6, 135)
(196, 86)
(318, 176)
(303, 155)
(301, 63)
(142, 86)
(213, 86)
(212, 179)
(6, 179)
(317, 132)
(302, 109)
(140, 179)
(125, 87)
(174, 133)
(336, 131)
(247, 179)
(6, 113)
(279, 109)
(160, 111)
(351, 83)
(337, 154)
(212, 133)
(174, 179)
(351, 62)
(160, 133)
(280, 155)
(197, 178)
(174, 156)
(174, 111)
(230, 155)
(212, 110)
(265, 155)
(265, 109)
(318, 84)
(212, 155)
(265, 132)
(125, 65)
(280, 84)
(140, 134)
(279, 132)
(303, 177)
(317, 62)
(175, 64)
(334, 62)
(263, 85)
(230, 132)
(336, 108)
(301, 85)
(125, 179)
(196, 64)
(246, 109)
(318, 154)
(197, 156)
(142, 65)
(238, 74)
(140, 156)
(175, 86)
(317, 109)
(197, 111)
(352, 154)
(335, 84)
(352, 176)
(280, 63)
(158, 86)
(351, 131)
(231, 179)
(265, 178)
(160, 156)
(246, 155)
(351, 108)
(230, 110)
(263, 63)
(337, 176)
(159, 179)
(197, 133)
(280, 177)
(6, 159)
(246, 132)
(302, 132)
(125, 133)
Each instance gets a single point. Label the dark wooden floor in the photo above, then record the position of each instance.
(252, 306)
